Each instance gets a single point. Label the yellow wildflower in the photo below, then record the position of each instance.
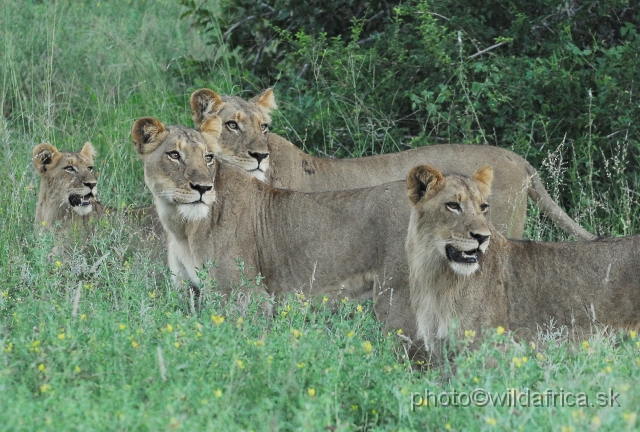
(135, 344)
(218, 393)
(312, 392)
(83, 316)
(359, 308)
(351, 334)
(240, 364)
(491, 421)
(41, 367)
(269, 359)
(239, 322)
(45, 388)
(58, 263)
(9, 347)
(325, 299)
(632, 334)
(122, 326)
(585, 345)
(61, 336)
(169, 328)
(399, 331)
(176, 344)
(367, 347)
(77, 369)
(217, 320)
(499, 330)
(469, 334)
(296, 333)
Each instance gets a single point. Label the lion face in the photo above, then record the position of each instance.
(179, 166)
(68, 182)
(245, 128)
(450, 215)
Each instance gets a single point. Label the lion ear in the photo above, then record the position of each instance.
(44, 156)
(88, 151)
(484, 177)
(147, 133)
(422, 179)
(211, 128)
(204, 104)
(266, 100)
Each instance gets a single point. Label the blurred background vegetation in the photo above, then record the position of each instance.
(363, 77)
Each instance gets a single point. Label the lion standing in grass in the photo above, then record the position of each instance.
(245, 141)
(461, 268)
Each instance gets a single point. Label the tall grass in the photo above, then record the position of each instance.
(100, 340)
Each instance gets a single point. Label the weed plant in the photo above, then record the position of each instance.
(97, 338)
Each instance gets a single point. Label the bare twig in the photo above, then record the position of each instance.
(492, 47)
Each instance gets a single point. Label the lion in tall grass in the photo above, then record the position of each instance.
(461, 268)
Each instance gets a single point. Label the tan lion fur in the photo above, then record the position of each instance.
(288, 167)
(519, 285)
(67, 176)
(337, 244)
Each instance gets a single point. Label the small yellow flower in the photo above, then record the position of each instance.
(354, 407)
(351, 334)
(152, 294)
(447, 426)
(540, 357)
(135, 344)
(359, 308)
(367, 347)
(9, 347)
(300, 365)
(61, 336)
(240, 364)
(374, 411)
(491, 421)
(325, 299)
(77, 369)
(345, 300)
(83, 317)
(469, 334)
(58, 263)
(632, 334)
(259, 343)
(169, 328)
(269, 359)
(41, 367)
(585, 345)
(500, 330)
(239, 322)
(630, 418)
(296, 333)
(176, 344)
(218, 393)
(122, 326)
(217, 320)
(524, 359)
(283, 313)
(312, 392)
(567, 429)
(45, 388)
(476, 380)
(5, 293)
(399, 331)
(44, 223)
(607, 370)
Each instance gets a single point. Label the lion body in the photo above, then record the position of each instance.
(334, 244)
(287, 167)
(519, 285)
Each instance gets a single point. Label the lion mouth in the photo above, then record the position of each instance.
(462, 257)
(80, 200)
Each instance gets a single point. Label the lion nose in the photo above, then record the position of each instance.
(90, 185)
(200, 188)
(480, 238)
(259, 156)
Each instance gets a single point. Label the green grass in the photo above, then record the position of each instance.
(113, 346)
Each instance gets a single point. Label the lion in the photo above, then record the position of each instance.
(245, 141)
(461, 268)
(68, 193)
(336, 244)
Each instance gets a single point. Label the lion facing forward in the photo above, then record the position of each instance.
(461, 268)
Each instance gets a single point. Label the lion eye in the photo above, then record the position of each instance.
(90, 168)
(453, 206)
(232, 125)
(70, 169)
(484, 207)
(264, 127)
(174, 155)
(208, 158)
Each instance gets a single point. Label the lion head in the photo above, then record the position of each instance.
(245, 128)
(68, 184)
(179, 165)
(451, 211)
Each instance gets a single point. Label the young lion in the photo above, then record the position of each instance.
(337, 244)
(461, 268)
(68, 192)
(245, 141)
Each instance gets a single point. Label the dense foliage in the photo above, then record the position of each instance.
(529, 76)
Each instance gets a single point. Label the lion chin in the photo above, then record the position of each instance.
(194, 212)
